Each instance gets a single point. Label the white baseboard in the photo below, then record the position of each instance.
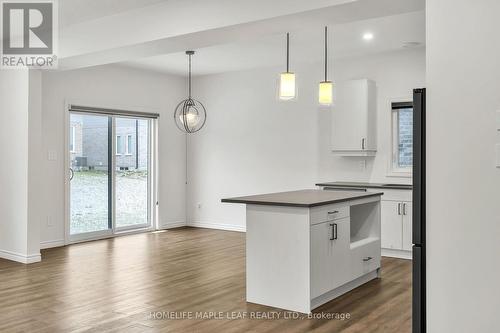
(24, 259)
(401, 254)
(218, 226)
(170, 225)
(51, 244)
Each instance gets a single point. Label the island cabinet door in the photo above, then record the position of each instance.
(329, 256)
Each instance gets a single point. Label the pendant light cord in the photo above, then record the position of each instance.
(287, 52)
(326, 52)
(189, 79)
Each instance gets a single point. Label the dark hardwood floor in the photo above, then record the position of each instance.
(116, 285)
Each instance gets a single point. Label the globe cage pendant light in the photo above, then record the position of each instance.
(190, 115)
(287, 89)
(326, 87)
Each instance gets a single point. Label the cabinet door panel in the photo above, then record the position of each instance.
(407, 226)
(321, 259)
(342, 253)
(391, 226)
(330, 259)
(349, 116)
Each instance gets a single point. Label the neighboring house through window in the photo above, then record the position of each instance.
(402, 138)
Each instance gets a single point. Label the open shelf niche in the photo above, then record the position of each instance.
(363, 228)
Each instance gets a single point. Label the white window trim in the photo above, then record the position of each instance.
(127, 146)
(392, 171)
(73, 139)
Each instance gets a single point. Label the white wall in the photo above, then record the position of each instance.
(463, 217)
(112, 86)
(17, 241)
(254, 144)
(35, 175)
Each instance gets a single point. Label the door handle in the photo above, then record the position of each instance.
(334, 212)
(71, 174)
(399, 208)
(404, 208)
(363, 143)
(367, 259)
(334, 231)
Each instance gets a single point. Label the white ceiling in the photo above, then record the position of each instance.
(390, 33)
(78, 11)
(228, 34)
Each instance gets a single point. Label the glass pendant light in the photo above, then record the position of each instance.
(190, 115)
(326, 87)
(287, 88)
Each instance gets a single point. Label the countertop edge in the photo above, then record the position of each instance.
(286, 204)
(402, 187)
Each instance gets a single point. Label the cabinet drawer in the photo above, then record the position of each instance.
(328, 213)
(365, 258)
(397, 195)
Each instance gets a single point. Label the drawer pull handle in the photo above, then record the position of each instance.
(334, 212)
(367, 259)
(334, 231)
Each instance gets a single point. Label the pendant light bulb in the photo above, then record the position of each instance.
(287, 89)
(325, 95)
(287, 86)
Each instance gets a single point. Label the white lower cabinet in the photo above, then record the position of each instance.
(392, 225)
(330, 257)
(396, 225)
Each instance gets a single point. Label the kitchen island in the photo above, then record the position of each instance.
(305, 248)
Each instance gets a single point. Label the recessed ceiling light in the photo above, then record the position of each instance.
(367, 36)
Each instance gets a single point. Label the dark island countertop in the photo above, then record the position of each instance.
(301, 198)
(366, 185)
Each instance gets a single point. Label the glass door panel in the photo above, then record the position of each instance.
(132, 190)
(90, 174)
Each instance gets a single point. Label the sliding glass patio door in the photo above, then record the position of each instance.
(110, 178)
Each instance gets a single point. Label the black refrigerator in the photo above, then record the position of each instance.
(419, 274)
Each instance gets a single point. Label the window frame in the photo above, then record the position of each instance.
(393, 169)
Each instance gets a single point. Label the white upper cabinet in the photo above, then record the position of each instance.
(354, 127)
